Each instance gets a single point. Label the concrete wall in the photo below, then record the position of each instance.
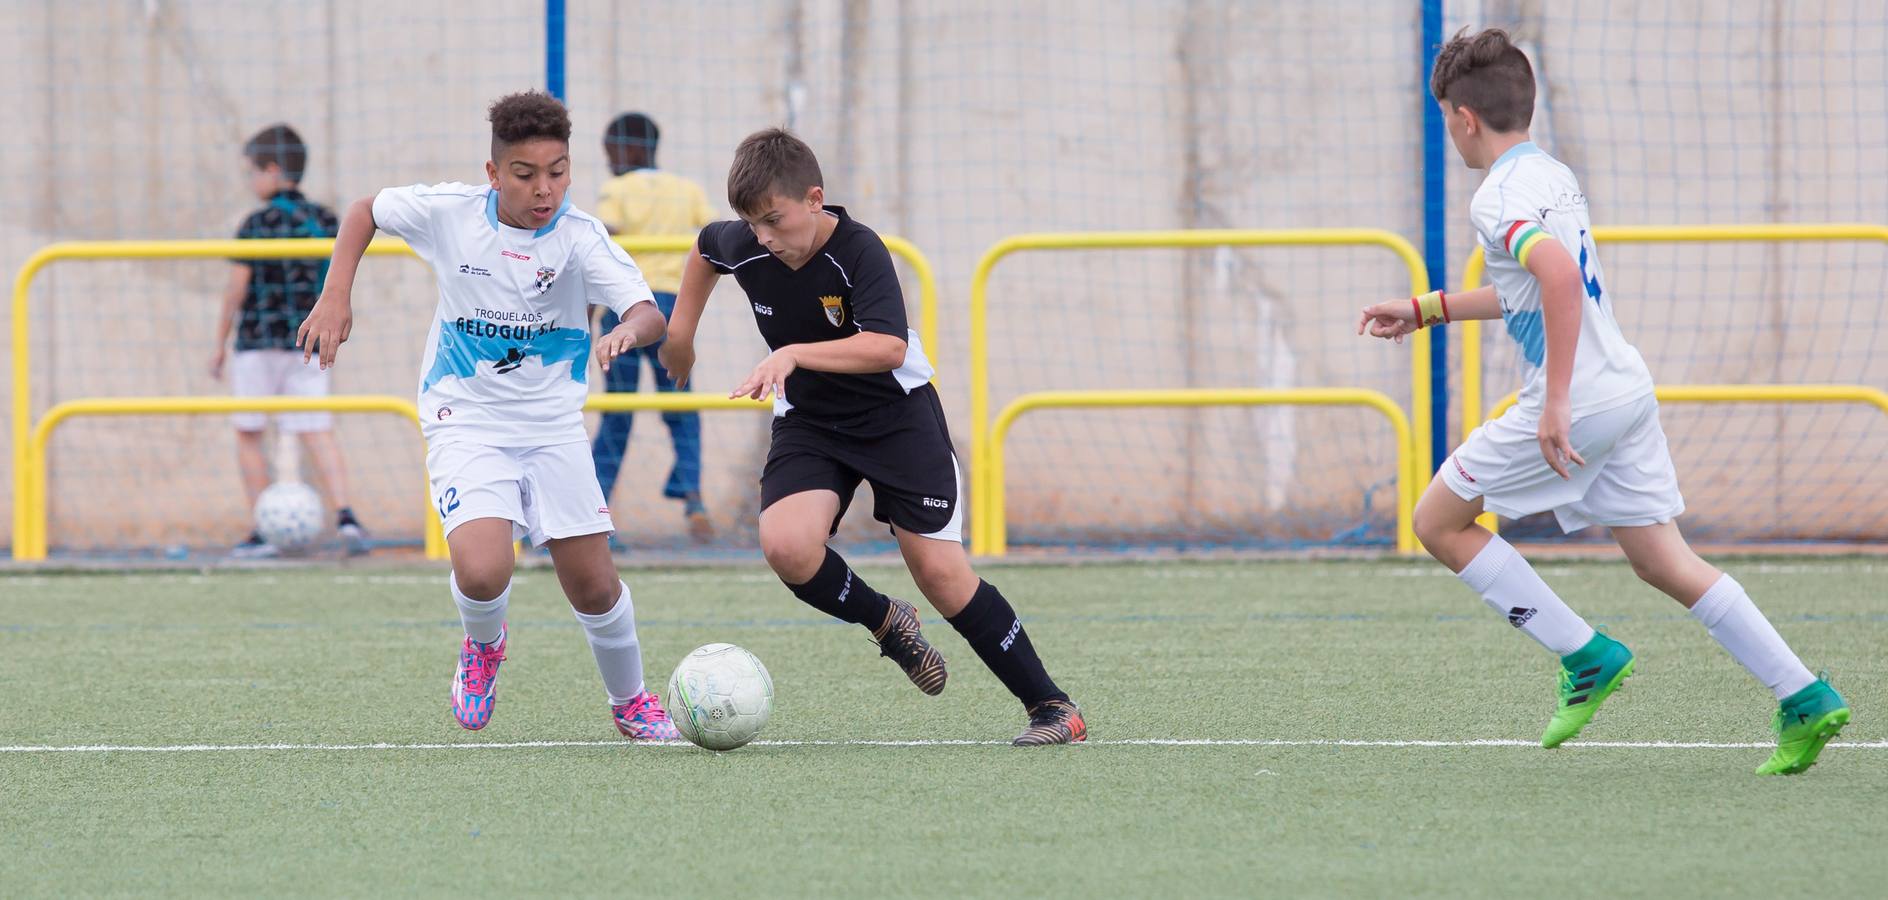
(955, 124)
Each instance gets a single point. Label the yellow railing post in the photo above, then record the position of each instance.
(300, 248)
(980, 424)
(34, 544)
(1405, 442)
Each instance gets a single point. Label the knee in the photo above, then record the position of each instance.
(794, 555)
(1431, 527)
(594, 596)
(942, 575)
(936, 577)
(483, 580)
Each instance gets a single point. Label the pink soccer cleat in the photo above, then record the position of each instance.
(644, 719)
(475, 686)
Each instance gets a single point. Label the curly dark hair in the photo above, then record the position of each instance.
(526, 115)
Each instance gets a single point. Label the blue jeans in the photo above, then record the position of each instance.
(613, 434)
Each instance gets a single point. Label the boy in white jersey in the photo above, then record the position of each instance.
(502, 390)
(1585, 439)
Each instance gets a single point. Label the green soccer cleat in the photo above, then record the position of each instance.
(1805, 721)
(1588, 676)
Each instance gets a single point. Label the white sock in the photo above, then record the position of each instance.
(612, 637)
(1509, 584)
(484, 619)
(1734, 622)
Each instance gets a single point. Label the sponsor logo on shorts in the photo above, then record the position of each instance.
(1461, 471)
(763, 310)
(935, 503)
(1010, 638)
(469, 269)
(443, 413)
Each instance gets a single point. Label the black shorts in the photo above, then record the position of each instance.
(903, 449)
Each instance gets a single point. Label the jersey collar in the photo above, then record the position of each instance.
(1525, 148)
(491, 215)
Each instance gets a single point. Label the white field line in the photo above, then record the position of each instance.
(1123, 742)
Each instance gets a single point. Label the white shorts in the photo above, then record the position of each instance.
(545, 492)
(278, 373)
(1628, 478)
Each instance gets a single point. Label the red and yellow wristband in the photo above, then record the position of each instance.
(1431, 309)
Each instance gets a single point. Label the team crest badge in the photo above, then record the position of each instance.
(546, 275)
(835, 312)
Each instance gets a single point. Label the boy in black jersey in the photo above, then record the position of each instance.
(852, 402)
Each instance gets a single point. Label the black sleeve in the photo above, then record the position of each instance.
(710, 245)
(878, 304)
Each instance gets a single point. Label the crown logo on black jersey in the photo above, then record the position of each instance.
(835, 311)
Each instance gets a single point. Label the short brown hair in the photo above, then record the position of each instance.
(279, 144)
(527, 115)
(771, 162)
(1487, 73)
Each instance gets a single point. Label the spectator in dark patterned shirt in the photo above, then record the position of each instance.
(265, 303)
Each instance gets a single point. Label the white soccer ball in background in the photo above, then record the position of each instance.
(289, 515)
(720, 696)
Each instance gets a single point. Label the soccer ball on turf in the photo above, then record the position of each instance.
(289, 515)
(720, 696)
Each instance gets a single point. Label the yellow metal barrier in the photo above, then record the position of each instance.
(1734, 393)
(1405, 444)
(982, 524)
(1639, 234)
(1472, 272)
(302, 248)
(1751, 393)
(32, 543)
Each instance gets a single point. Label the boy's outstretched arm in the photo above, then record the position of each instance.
(865, 353)
(332, 319)
(641, 326)
(1392, 319)
(678, 350)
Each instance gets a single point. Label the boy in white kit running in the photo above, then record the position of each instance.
(502, 388)
(1584, 440)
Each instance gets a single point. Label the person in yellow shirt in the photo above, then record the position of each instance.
(641, 199)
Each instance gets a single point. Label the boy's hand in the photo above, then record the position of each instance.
(678, 359)
(769, 378)
(327, 326)
(1556, 446)
(1390, 319)
(619, 341)
(216, 362)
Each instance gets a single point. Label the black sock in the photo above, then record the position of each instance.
(345, 516)
(993, 630)
(836, 591)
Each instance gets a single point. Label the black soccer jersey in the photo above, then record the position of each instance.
(282, 291)
(849, 286)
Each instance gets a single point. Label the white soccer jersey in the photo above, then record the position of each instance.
(508, 354)
(1530, 197)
